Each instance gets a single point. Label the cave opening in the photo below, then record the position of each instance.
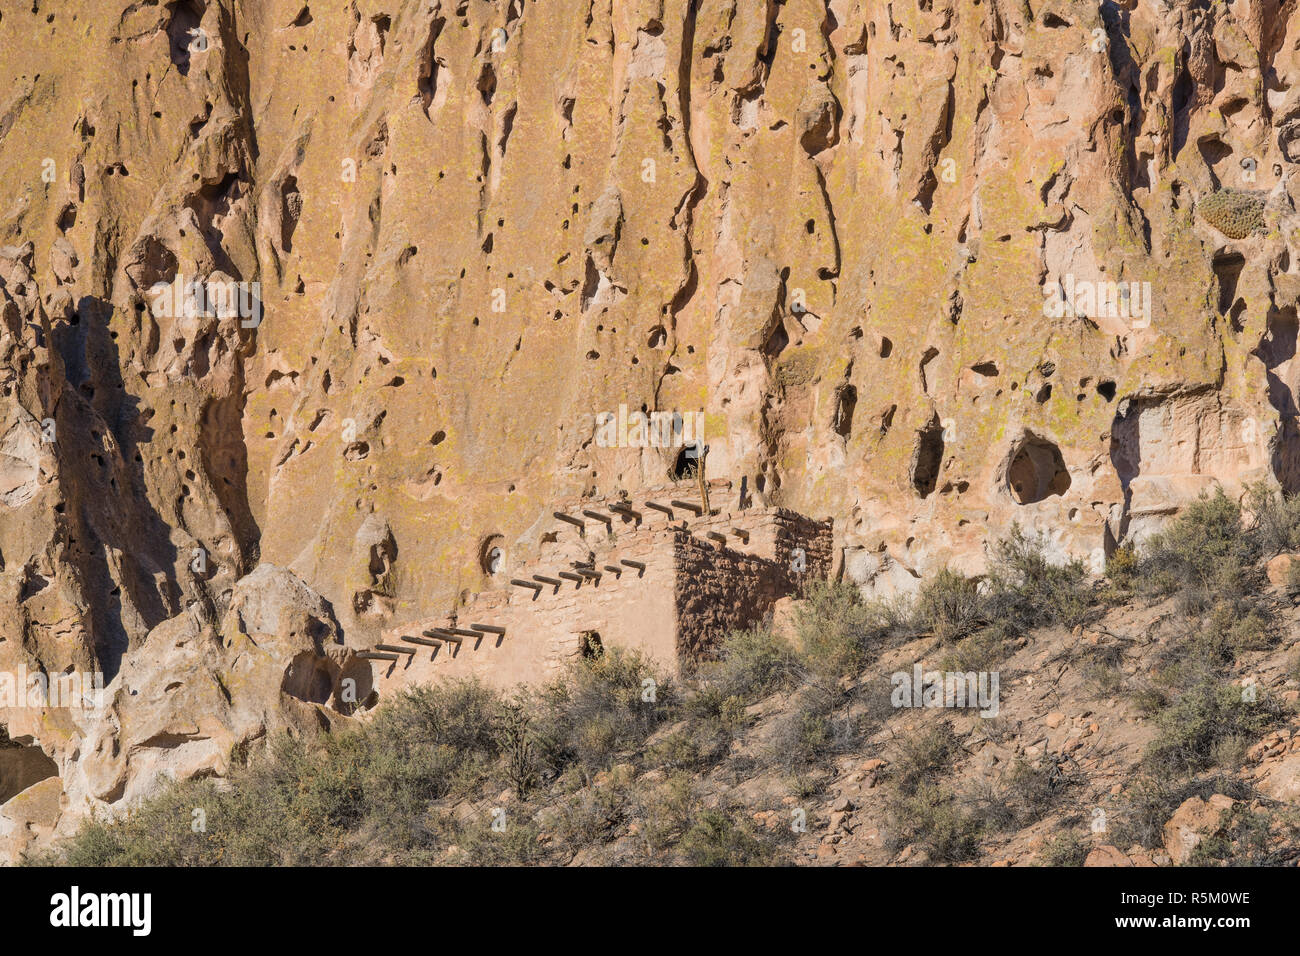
(1036, 471)
(927, 458)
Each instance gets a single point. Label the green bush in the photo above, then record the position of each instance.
(1122, 567)
(1027, 590)
(753, 664)
(666, 811)
(515, 844)
(1277, 519)
(835, 630)
(1205, 715)
(715, 839)
(1150, 800)
(1203, 555)
(428, 743)
(982, 651)
(931, 818)
(949, 605)
(811, 732)
(927, 755)
(598, 709)
(1102, 666)
(697, 743)
(1065, 849)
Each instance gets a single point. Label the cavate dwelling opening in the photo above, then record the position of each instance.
(184, 35)
(491, 555)
(927, 458)
(687, 462)
(1227, 270)
(777, 341)
(846, 399)
(1277, 350)
(1036, 471)
(591, 646)
(290, 213)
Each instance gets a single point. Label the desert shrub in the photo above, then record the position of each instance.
(1122, 567)
(598, 709)
(294, 804)
(716, 839)
(753, 664)
(158, 833)
(699, 742)
(1202, 717)
(1276, 523)
(1204, 554)
(949, 605)
(1033, 790)
(926, 814)
(1027, 590)
(1021, 797)
(1251, 838)
(665, 811)
(514, 844)
(1102, 667)
(985, 801)
(838, 632)
(932, 818)
(1206, 645)
(1150, 800)
(1148, 698)
(429, 742)
(1065, 849)
(1251, 631)
(835, 629)
(927, 755)
(590, 816)
(983, 651)
(809, 733)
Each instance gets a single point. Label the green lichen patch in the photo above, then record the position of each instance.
(1237, 213)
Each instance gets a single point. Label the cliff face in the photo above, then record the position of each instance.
(927, 269)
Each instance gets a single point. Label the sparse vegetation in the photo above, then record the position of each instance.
(719, 839)
(1195, 726)
(1203, 556)
(614, 763)
(1028, 590)
(1065, 849)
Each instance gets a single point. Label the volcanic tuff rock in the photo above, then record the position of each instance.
(475, 224)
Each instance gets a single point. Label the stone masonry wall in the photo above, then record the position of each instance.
(692, 591)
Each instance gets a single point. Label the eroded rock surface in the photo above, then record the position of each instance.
(927, 269)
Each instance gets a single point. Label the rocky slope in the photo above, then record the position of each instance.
(925, 268)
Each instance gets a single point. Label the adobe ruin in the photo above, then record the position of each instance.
(657, 575)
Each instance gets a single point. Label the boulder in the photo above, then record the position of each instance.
(1192, 822)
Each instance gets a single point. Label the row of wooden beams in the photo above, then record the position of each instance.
(426, 641)
(625, 508)
(434, 637)
(577, 575)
